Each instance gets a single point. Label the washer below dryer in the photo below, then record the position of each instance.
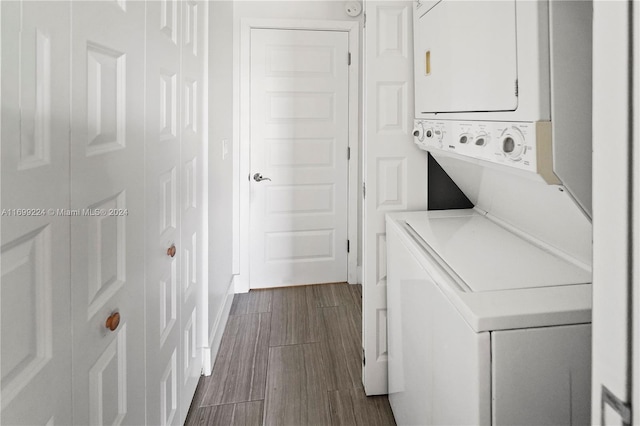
(486, 324)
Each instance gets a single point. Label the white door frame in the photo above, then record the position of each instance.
(242, 160)
(635, 120)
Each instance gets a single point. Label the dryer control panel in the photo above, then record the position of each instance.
(521, 145)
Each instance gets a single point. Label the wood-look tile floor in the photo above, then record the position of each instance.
(290, 356)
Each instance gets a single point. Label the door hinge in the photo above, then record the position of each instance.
(364, 190)
(622, 408)
(364, 359)
(349, 59)
(364, 20)
(348, 153)
(348, 246)
(516, 88)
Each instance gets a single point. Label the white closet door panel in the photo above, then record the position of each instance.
(394, 168)
(107, 163)
(614, 279)
(190, 202)
(35, 312)
(162, 228)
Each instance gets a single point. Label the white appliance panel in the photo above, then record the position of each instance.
(571, 100)
(487, 257)
(553, 359)
(516, 147)
(439, 365)
(551, 83)
(460, 63)
(547, 212)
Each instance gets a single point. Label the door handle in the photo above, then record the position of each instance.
(258, 177)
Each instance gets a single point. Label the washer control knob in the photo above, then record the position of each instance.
(465, 139)
(512, 145)
(418, 131)
(481, 140)
(428, 133)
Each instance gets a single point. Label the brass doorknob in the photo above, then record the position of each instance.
(171, 251)
(113, 321)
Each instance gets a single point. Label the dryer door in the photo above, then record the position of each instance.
(465, 57)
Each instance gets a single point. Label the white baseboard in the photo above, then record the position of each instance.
(216, 332)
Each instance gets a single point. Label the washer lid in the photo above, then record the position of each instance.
(488, 257)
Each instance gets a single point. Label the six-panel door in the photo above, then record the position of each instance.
(35, 314)
(107, 262)
(101, 148)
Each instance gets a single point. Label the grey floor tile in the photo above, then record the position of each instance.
(356, 294)
(303, 359)
(343, 341)
(352, 407)
(295, 317)
(248, 413)
(297, 386)
(239, 374)
(253, 302)
(338, 294)
(218, 415)
(241, 414)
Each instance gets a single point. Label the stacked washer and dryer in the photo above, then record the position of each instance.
(489, 308)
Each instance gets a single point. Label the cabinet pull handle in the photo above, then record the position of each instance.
(171, 251)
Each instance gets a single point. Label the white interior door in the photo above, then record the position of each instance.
(163, 293)
(190, 199)
(394, 168)
(36, 341)
(299, 139)
(107, 263)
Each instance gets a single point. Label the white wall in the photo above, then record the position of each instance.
(310, 9)
(220, 169)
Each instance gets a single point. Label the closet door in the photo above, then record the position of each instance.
(394, 169)
(107, 189)
(174, 206)
(163, 178)
(190, 200)
(35, 313)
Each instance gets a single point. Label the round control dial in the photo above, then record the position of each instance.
(482, 139)
(512, 144)
(418, 131)
(465, 139)
(438, 133)
(429, 133)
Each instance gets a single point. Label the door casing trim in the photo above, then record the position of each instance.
(242, 141)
